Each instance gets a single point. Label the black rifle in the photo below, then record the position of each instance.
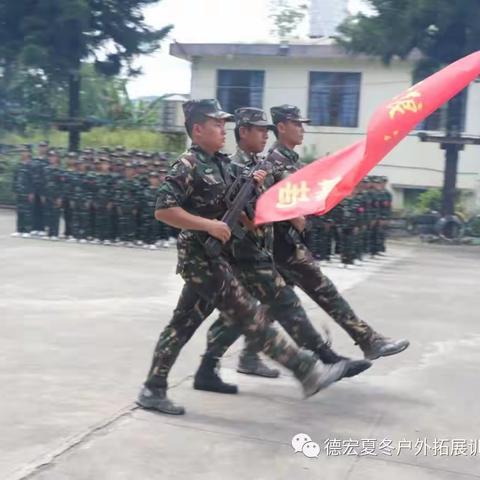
(237, 198)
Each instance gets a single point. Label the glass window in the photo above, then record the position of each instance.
(240, 88)
(334, 99)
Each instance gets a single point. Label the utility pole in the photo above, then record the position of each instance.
(452, 143)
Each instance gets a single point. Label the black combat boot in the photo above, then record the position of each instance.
(376, 346)
(328, 356)
(207, 378)
(156, 399)
(251, 364)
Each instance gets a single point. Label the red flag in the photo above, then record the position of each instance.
(319, 186)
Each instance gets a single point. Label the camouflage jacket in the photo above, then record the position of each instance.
(254, 246)
(38, 167)
(385, 200)
(103, 191)
(22, 179)
(284, 162)
(53, 182)
(196, 182)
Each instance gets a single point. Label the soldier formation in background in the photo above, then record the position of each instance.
(356, 228)
(108, 196)
(105, 196)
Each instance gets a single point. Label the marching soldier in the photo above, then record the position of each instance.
(191, 198)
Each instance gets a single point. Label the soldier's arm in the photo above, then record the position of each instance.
(173, 194)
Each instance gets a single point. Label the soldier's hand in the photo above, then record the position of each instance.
(58, 202)
(260, 176)
(219, 230)
(31, 196)
(247, 222)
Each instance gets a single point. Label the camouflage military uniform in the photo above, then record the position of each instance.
(127, 201)
(103, 206)
(348, 229)
(253, 266)
(385, 211)
(53, 193)
(38, 181)
(23, 188)
(197, 182)
(296, 263)
(79, 204)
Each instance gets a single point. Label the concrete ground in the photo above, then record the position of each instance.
(78, 324)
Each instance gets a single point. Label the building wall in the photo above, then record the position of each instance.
(411, 164)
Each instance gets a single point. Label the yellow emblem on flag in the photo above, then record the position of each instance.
(408, 102)
(292, 193)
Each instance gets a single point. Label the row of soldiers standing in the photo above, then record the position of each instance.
(356, 227)
(104, 196)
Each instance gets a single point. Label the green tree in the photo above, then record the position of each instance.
(441, 30)
(53, 37)
(287, 16)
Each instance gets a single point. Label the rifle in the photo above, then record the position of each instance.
(236, 199)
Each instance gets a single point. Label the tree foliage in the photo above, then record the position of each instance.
(46, 41)
(287, 16)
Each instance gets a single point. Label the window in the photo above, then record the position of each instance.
(334, 99)
(240, 88)
(437, 121)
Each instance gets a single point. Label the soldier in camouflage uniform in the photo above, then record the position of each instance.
(293, 258)
(54, 193)
(68, 175)
(192, 198)
(360, 200)
(375, 198)
(38, 181)
(103, 202)
(150, 233)
(385, 198)
(252, 263)
(80, 201)
(23, 188)
(348, 229)
(127, 201)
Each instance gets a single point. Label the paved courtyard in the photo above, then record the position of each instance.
(78, 324)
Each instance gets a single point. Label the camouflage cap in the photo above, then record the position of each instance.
(287, 112)
(52, 153)
(104, 159)
(252, 116)
(129, 165)
(44, 143)
(72, 155)
(195, 110)
(154, 174)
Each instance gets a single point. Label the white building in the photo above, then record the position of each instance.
(339, 93)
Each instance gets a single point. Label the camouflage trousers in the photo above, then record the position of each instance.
(127, 223)
(212, 281)
(53, 212)
(103, 221)
(80, 219)
(24, 213)
(347, 249)
(266, 284)
(297, 265)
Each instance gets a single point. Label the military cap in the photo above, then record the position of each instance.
(26, 148)
(119, 163)
(52, 152)
(72, 155)
(104, 159)
(156, 163)
(44, 143)
(119, 147)
(287, 112)
(195, 110)
(153, 174)
(129, 165)
(251, 116)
